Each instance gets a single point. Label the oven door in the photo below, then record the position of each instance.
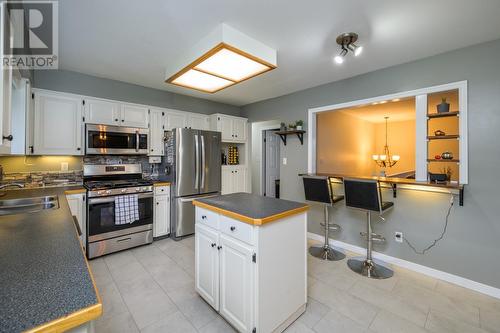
(101, 218)
(114, 140)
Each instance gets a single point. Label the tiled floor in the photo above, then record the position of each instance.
(151, 289)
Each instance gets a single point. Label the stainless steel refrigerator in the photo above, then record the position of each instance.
(192, 163)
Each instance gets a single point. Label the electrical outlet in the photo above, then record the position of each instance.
(398, 236)
(284, 160)
(64, 166)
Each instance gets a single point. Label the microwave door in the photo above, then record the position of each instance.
(210, 147)
(187, 166)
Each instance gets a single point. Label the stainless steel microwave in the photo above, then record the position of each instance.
(115, 140)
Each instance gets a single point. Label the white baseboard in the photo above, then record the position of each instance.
(455, 279)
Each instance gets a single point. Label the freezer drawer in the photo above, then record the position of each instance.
(183, 216)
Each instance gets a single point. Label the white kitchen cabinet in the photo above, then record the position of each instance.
(175, 119)
(207, 264)
(78, 208)
(102, 112)
(233, 129)
(198, 121)
(156, 132)
(241, 272)
(57, 126)
(233, 179)
(236, 283)
(6, 110)
(161, 213)
(134, 115)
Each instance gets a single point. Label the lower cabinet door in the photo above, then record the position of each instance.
(207, 264)
(237, 279)
(161, 216)
(227, 180)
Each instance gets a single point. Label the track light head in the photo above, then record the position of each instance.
(346, 42)
(338, 59)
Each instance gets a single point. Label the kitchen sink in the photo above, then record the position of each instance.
(28, 205)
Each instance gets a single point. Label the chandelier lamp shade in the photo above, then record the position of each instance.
(223, 58)
(386, 160)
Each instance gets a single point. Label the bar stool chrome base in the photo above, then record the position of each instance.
(326, 253)
(369, 269)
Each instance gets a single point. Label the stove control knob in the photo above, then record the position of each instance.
(108, 191)
(124, 190)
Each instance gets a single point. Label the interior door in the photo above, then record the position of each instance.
(210, 178)
(237, 280)
(187, 166)
(272, 162)
(207, 265)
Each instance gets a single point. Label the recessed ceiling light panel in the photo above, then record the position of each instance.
(231, 57)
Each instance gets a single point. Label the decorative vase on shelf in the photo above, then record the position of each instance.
(443, 107)
(298, 128)
(447, 155)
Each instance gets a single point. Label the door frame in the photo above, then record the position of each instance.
(263, 170)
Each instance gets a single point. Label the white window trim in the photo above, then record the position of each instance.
(421, 121)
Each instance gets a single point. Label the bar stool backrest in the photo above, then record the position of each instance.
(363, 194)
(317, 189)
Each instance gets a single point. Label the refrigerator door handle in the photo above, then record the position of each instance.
(196, 162)
(203, 162)
(202, 197)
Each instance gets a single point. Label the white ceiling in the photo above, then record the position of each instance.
(402, 110)
(132, 41)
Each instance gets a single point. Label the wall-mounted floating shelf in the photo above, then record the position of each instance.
(443, 137)
(442, 160)
(284, 134)
(442, 115)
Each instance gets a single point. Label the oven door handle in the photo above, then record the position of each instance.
(112, 198)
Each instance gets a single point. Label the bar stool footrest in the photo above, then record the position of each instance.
(375, 237)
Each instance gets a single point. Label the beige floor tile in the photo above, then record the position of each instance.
(100, 272)
(298, 327)
(150, 307)
(128, 272)
(490, 319)
(405, 308)
(123, 323)
(438, 323)
(173, 323)
(192, 306)
(336, 322)
(413, 278)
(112, 301)
(467, 296)
(336, 278)
(387, 322)
(150, 256)
(315, 311)
(188, 242)
(350, 306)
(167, 245)
(171, 278)
(115, 260)
(218, 325)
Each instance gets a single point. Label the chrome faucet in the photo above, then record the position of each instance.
(11, 184)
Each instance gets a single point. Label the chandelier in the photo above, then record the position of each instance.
(386, 160)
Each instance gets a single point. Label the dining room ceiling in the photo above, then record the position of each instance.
(133, 41)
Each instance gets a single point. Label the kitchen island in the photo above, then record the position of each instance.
(251, 259)
(47, 285)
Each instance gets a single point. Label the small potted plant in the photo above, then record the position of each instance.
(282, 127)
(299, 124)
(444, 106)
(291, 126)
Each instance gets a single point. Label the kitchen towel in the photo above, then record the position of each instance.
(126, 209)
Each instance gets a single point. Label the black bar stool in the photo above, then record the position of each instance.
(319, 189)
(365, 195)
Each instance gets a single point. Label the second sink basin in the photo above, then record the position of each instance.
(28, 205)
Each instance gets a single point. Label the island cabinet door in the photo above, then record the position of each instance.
(207, 264)
(237, 271)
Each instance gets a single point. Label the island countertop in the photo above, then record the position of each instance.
(250, 208)
(46, 282)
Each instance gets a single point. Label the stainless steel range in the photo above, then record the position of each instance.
(105, 185)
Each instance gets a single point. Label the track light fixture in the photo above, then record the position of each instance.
(346, 42)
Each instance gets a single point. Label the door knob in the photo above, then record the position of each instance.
(233, 228)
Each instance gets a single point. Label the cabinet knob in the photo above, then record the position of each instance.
(233, 228)
(203, 217)
(123, 120)
(219, 247)
(8, 137)
(116, 119)
(213, 244)
(78, 148)
(157, 203)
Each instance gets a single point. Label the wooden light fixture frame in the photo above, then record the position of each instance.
(210, 53)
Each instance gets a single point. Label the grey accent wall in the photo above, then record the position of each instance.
(78, 83)
(472, 244)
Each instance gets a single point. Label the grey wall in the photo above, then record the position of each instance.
(472, 245)
(77, 83)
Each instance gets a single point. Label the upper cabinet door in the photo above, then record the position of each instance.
(134, 116)
(226, 128)
(58, 124)
(175, 120)
(198, 121)
(156, 132)
(98, 111)
(239, 129)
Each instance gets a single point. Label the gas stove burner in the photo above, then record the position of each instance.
(110, 184)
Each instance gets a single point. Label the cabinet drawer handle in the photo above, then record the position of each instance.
(233, 228)
(8, 137)
(124, 239)
(213, 244)
(219, 247)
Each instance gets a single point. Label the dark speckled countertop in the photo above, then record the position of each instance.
(250, 208)
(43, 272)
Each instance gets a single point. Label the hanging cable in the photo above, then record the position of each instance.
(437, 239)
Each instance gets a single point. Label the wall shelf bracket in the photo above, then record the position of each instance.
(284, 134)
